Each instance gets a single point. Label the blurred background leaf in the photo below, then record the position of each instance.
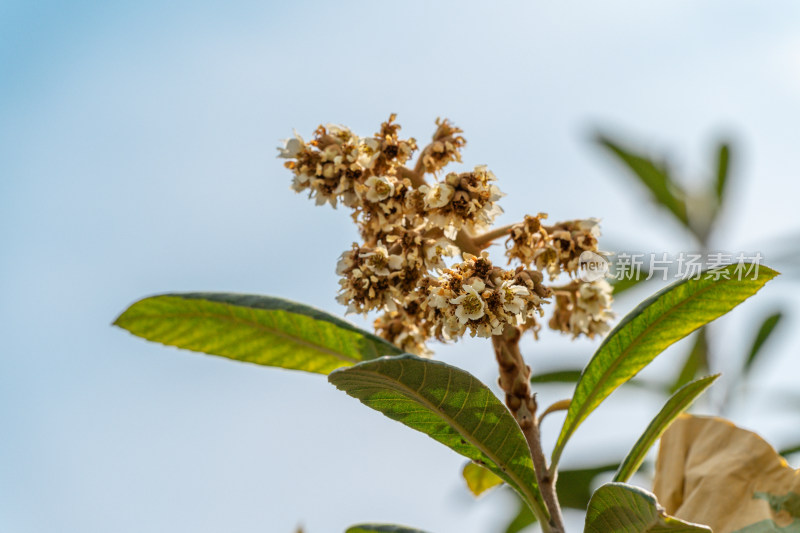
(696, 361)
(677, 404)
(723, 161)
(574, 488)
(652, 174)
(767, 327)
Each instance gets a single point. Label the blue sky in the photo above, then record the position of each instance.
(137, 157)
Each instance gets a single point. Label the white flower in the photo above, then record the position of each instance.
(437, 250)
(379, 188)
(369, 153)
(291, 147)
(452, 327)
(330, 153)
(511, 297)
(438, 298)
(300, 182)
(495, 193)
(490, 212)
(339, 131)
(595, 298)
(579, 322)
(470, 305)
(590, 225)
(345, 262)
(437, 196)
(476, 283)
(379, 260)
(452, 179)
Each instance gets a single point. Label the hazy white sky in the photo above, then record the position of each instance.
(137, 157)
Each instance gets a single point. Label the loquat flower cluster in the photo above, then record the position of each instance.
(412, 229)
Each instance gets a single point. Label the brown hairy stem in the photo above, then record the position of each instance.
(485, 239)
(464, 241)
(415, 176)
(419, 168)
(514, 379)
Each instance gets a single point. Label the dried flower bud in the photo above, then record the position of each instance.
(409, 229)
(478, 296)
(463, 201)
(367, 278)
(583, 308)
(326, 167)
(445, 147)
(404, 330)
(386, 151)
(524, 238)
(552, 249)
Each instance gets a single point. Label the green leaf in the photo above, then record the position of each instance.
(572, 375)
(621, 508)
(479, 479)
(557, 376)
(766, 329)
(769, 526)
(629, 281)
(678, 403)
(574, 489)
(381, 528)
(255, 329)
(790, 450)
(522, 519)
(723, 163)
(696, 361)
(786, 505)
(645, 332)
(451, 406)
(654, 176)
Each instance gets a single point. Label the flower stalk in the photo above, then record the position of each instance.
(423, 262)
(514, 379)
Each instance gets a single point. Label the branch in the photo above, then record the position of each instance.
(466, 242)
(419, 168)
(515, 381)
(485, 239)
(413, 175)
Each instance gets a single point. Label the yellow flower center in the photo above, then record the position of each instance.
(472, 304)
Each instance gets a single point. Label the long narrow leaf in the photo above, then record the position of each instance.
(723, 163)
(557, 376)
(625, 283)
(574, 490)
(255, 329)
(451, 406)
(522, 519)
(620, 508)
(655, 324)
(654, 176)
(381, 528)
(572, 376)
(790, 450)
(766, 329)
(678, 403)
(696, 361)
(574, 487)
